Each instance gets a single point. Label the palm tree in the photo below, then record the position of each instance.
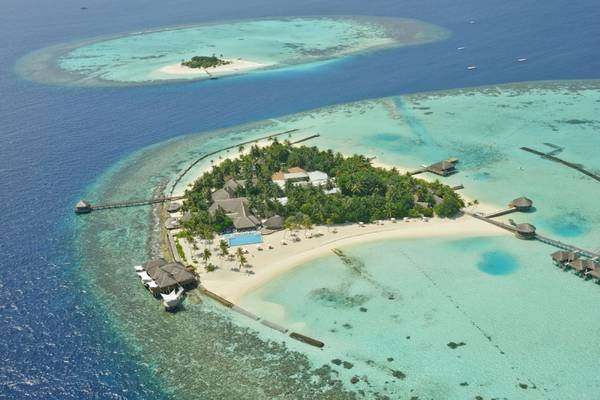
(290, 224)
(306, 224)
(206, 254)
(328, 222)
(241, 257)
(224, 247)
(241, 149)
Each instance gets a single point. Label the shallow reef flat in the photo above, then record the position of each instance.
(457, 303)
(153, 56)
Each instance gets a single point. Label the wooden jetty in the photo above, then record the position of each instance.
(272, 325)
(306, 138)
(83, 207)
(441, 168)
(520, 204)
(528, 231)
(307, 339)
(551, 157)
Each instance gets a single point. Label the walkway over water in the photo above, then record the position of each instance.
(83, 207)
(569, 164)
(536, 236)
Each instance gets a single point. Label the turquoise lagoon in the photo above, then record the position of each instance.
(276, 43)
(436, 318)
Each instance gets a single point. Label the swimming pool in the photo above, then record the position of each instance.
(243, 238)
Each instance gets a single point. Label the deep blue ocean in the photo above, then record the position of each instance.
(55, 141)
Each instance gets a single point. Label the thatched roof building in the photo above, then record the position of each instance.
(563, 257)
(238, 210)
(169, 276)
(83, 207)
(521, 204)
(227, 192)
(443, 168)
(582, 264)
(525, 231)
(275, 222)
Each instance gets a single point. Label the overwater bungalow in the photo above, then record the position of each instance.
(443, 168)
(595, 274)
(83, 207)
(525, 231)
(521, 204)
(582, 266)
(168, 276)
(561, 257)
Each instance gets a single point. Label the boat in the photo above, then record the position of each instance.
(521, 59)
(172, 299)
(470, 67)
(460, 48)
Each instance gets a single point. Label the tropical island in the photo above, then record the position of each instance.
(302, 186)
(205, 62)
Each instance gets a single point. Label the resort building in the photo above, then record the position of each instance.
(300, 176)
(443, 168)
(525, 231)
(276, 222)
(168, 276)
(238, 210)
(561, 257)
(521, 204)
(227, 192)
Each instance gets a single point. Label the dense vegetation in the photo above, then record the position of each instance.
(204, 62)
(366, 193)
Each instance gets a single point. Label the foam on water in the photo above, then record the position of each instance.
(435, 325)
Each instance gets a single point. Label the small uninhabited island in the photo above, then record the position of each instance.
(204, 62)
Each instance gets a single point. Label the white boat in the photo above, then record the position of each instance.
(460, 48)
(470, 67)
(521, 59)
(172, 299)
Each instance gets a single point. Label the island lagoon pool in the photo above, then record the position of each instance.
(243, 238)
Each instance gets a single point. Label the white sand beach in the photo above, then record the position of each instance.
(234, 66)
(269, 263)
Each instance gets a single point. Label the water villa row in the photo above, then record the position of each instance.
(585, 268)
(583, 262)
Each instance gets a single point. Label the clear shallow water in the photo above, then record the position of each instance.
(510, 324)
(138, 57)
(464, 290)
(58, 342)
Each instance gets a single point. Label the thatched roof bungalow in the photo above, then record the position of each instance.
(562, 257)
(238, 210)
(169, 276)
(525, 231)
(582, 265)
(521, 204)
(274, 223)
(83, 207)
(443, 168)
